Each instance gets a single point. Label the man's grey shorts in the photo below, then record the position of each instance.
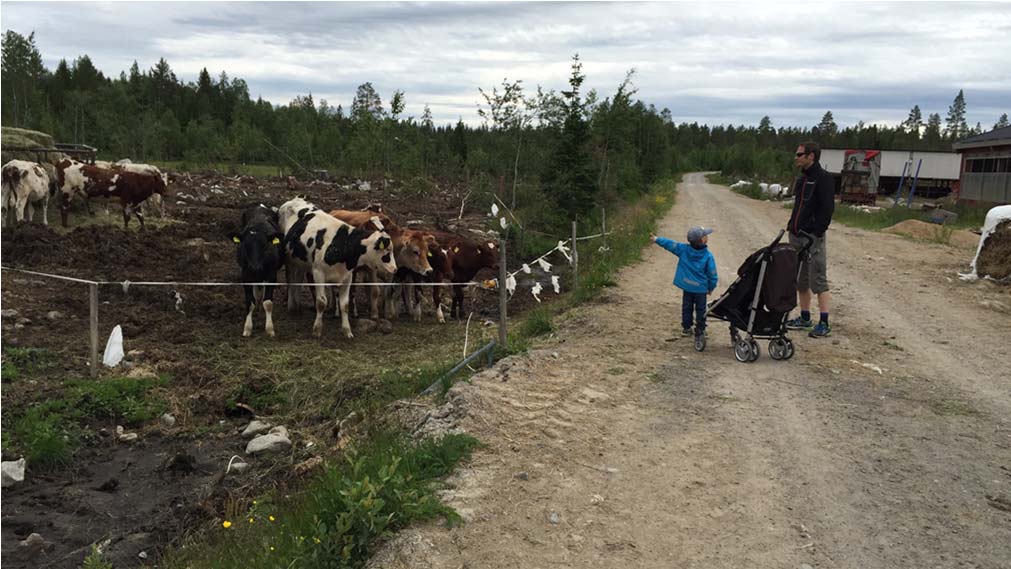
(812, 270)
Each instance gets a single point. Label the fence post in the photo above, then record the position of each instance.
(503, 339)
(575, 260)
(93, 304)
(603, 226)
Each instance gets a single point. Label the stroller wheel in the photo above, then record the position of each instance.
(789, 348)
(755, 350)
(778, 349)
(742, 351)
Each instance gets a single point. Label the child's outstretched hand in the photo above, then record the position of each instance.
(652, 238)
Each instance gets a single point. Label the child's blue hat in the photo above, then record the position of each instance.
(695, 234)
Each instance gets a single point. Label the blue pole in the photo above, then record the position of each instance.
(902, 180)
(912, 190)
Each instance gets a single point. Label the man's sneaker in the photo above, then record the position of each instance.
(686, 331)
(799, 323)
(822, 330)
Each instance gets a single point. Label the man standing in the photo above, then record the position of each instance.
(813, 205)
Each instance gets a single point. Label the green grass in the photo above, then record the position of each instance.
(379, 487)
(18, 361)
(537, 323)
(94, 560)
(875, 221)
(47, 432)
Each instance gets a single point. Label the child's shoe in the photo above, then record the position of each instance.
(686, 332)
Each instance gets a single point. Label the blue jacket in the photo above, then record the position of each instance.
(696, 267)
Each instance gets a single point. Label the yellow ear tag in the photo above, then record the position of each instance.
(382, 246)
(276, 241)
(236, 239)
(429, 253)
(456, 249)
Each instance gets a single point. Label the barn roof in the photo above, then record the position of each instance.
(996, 137)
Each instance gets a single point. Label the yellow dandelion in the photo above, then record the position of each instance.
(272, 548)
(254, 502)
(271, 518)
(316, 539)
(250, 520)
(226, 524)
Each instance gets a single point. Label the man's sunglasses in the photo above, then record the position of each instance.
(799, 154)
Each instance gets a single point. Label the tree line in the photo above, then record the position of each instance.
(569, 150)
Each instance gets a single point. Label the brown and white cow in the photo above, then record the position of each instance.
(412, 251)
(24, 184)
(465, 258)
(329, 249)
(132, 184)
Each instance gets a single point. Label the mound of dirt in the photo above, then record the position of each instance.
(931, 232)
(995, 257)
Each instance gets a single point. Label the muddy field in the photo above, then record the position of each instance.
(135, 499)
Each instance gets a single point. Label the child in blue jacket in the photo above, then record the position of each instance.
(696, 276)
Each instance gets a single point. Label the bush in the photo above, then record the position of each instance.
(537, 323)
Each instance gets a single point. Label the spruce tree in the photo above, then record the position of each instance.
(569, 177)
(955, 125)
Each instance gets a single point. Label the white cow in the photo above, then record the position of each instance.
(24, 184)
(317, 242)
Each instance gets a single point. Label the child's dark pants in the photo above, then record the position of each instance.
(693, 302)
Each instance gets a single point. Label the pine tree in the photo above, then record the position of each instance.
(569, 177)
(932, 134)
(955, 125)
(1001, 122)
(914, 122)
(827, 129)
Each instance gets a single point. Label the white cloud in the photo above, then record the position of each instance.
(717, 63)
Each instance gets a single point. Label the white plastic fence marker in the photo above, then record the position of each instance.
(494, 210)
(536, 291)
(502, 222)
(545, 266)
(526, 268)
(114, 348)
(510, 284)
(93, 307)
(556, 284)
(503, 338)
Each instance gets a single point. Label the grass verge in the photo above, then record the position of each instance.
(379, 487)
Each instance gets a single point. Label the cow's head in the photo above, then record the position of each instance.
(415, 252)
(440, 259)
(256, 246)
(487, 254)
(379, 252)
(291, 210)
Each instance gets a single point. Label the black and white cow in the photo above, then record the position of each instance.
(260, 255)
(315, 242)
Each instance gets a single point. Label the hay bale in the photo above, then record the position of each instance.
(994, 259)
(15, 137)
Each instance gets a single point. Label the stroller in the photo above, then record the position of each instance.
(757, 304)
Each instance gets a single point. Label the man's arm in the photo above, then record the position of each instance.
(826, 204)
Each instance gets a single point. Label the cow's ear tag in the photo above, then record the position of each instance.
(276, 241)
(382, 246)
(236, 239)
(456, 249)
(429, 253)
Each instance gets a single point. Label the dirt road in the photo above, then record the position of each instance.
(615, 444)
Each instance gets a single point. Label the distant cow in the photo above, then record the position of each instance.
(411, 249)
(466, 258)
(328, 248)
(24, 184)
(260, 256)
(132, 184)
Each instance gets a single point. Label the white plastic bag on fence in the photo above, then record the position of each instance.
(775, 190)
(114, 348)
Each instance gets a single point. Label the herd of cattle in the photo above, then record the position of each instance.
(26, 184)
(331, 248)
(325, 251)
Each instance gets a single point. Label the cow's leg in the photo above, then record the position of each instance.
(140, 215)
(291, 276)
(247, 329)
(321, 297)
(374, 292)
(437, 301)
(20, 204)
(126, 216)
(45, 210)
(458, 301)
(413, 302)
(29, 211)
(345, 292)
(268, 307)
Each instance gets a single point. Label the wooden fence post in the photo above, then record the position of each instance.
(93, 304)
(575, 260)
(603, 226)
(503, 332)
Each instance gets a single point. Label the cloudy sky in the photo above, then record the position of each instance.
(712, 63)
